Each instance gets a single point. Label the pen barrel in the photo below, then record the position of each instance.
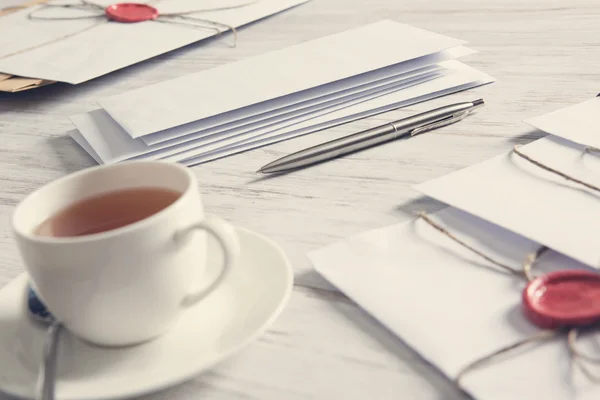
(350, 144)
(381, 134)
(368, 138)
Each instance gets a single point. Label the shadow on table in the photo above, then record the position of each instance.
(69, 154)
(527, 137)
(412, 208)
(409, 358)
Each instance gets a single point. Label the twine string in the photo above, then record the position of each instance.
(443, 230)
(577, 356)
(199, 23)
(58, 39)
(19, 7)
(555, 171)
(212, 9)
(480, 362)
(83, 5)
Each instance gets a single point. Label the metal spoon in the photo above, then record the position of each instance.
(47, 373)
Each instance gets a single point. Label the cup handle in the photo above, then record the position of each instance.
(229, 241)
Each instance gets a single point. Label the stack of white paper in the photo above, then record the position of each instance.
(277, 96)
(452, 305)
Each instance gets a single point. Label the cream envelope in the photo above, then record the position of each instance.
(578, 123)
(526, 199)
(77, 50)
(453, 307)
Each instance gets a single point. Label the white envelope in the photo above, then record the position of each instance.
(80, 140)
(260, 112)
(270, 76)
(453, 307)
(578, 123)
(113, 144)
(523, 198)
(464, 78)
(225, 140)
(305, 109)
(110, 46)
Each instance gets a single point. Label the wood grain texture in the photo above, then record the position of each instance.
(545, 55)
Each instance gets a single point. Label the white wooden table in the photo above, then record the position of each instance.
(545, 55)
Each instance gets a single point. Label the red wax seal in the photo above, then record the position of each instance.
(559, 299)
(131, 12)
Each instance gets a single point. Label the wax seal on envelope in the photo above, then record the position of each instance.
(131, 12)
(568, 298)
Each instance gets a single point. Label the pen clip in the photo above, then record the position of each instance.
(438, 124)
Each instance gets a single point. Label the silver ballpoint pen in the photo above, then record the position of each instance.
(404, 128)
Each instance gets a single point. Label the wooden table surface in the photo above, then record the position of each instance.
(545, 54)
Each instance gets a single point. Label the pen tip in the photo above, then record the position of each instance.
(259, 171)
(478, 102)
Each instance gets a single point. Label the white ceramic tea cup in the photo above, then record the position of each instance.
(127, 285)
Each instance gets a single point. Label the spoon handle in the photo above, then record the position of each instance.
(47, 373)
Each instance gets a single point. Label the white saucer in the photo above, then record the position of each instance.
(231, 317)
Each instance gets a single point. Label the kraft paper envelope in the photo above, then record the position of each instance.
(526, 199)
(11, 83)
(453, 307)
(578, 123)
(271, 76)
(77, 50)
(113, 145)
(464, 78)
(80, 140)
